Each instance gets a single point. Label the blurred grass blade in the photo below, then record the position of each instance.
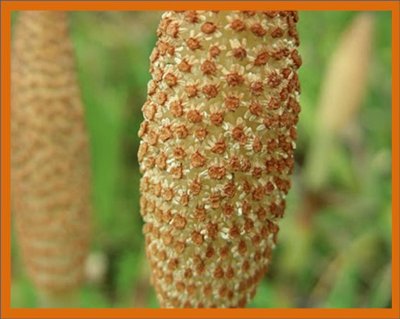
(341, 95)
(341, 280)
(382, 289)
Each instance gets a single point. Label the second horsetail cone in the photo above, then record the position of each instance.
(50, 172)
(216, 151)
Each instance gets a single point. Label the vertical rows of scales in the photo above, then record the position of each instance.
(49, 153)
(217, 151)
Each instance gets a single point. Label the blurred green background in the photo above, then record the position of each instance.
(334, 247)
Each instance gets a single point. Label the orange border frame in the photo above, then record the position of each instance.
(5, 309)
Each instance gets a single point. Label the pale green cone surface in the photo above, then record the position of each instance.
(217, 151)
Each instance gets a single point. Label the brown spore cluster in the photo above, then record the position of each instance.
(216, 151)
(50, 169)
